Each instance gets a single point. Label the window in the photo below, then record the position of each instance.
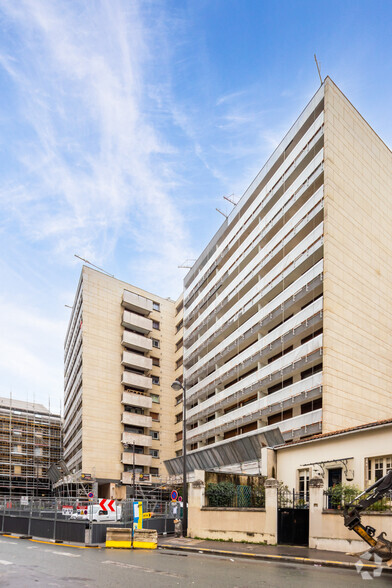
(312, 405)
(179, 344)
(156, 325)
(155, 380)
(211, 418)
(154, 452)
(179, 399)
(156, 361)
(179, 452)
(130, 429)
(154, 416)
(378, 467)
(156, 306)
(279, 386)
(280, 416)
(210, 441)
(154, 435)
(179, 363)
(179, 326)
(180, 307)
(193, 425)
(134, 409)
(303, 484)
(179, 417)
(154, 471)
(179, 436)
(313, 370)
(156, 398)
(156, 343)
(193, 446)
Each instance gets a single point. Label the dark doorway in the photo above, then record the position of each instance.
(293, 526)
(293, 518)
(334, 477)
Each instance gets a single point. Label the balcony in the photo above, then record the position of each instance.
(136, 420)
(139, 400)
(135, 341)
(140, 459)
(136, 381)
(135, 302)
(139, 362)
(130, 438)
(136, 322)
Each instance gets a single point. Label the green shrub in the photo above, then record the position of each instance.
(221, 494)
(342, 494)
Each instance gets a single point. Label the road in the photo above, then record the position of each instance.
(24, 564)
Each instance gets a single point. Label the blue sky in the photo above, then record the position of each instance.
(124, 123)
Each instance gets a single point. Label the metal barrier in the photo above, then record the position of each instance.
(51, 518)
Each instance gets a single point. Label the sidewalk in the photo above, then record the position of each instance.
(283, 553)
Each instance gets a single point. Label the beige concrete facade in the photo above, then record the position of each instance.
(287, 311)
(362, 455)
(357, 354)
(120, 362)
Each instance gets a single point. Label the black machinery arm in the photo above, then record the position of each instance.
(352, 516)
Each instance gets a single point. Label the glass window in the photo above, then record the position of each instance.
(154, 452)
(156, 306)
(156, 343)
(154, 434)
(156, 325)
(155, 380)
(156, 398)
(155, 361)
(378, 468)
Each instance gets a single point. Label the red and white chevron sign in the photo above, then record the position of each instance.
(107, 503)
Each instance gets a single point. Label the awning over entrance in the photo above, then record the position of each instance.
(245, 448)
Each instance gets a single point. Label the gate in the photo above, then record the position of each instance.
(293, 518)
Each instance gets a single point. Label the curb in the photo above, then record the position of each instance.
(277, 558)
(60, 543)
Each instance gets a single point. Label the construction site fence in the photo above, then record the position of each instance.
(67, 509)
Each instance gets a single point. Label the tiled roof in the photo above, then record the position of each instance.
(342, 431)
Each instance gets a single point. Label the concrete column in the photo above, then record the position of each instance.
(316, 498)
(271, 511)
(195, 501)
(268, 462)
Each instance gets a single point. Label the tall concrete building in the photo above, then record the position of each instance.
(120, 360)
(288, 310)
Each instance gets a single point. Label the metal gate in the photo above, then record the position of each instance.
(293, 518)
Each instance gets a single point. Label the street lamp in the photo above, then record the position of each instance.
(177, 386)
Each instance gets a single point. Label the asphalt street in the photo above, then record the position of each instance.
(24, 564)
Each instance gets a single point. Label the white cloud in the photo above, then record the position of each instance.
(92, 164)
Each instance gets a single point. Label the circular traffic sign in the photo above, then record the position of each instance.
(91, 495)
(180, 499)
(174, 494)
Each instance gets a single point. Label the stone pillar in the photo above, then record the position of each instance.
(271, 511)
(316, 500)
(195, 501)
(268, 462)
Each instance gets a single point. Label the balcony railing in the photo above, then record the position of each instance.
(135, 302)
(136, 322)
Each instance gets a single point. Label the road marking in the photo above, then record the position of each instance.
(67, 545)
(9, 542)
(142, 569)
(62, 553)
(32, 547)
(5, 562)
